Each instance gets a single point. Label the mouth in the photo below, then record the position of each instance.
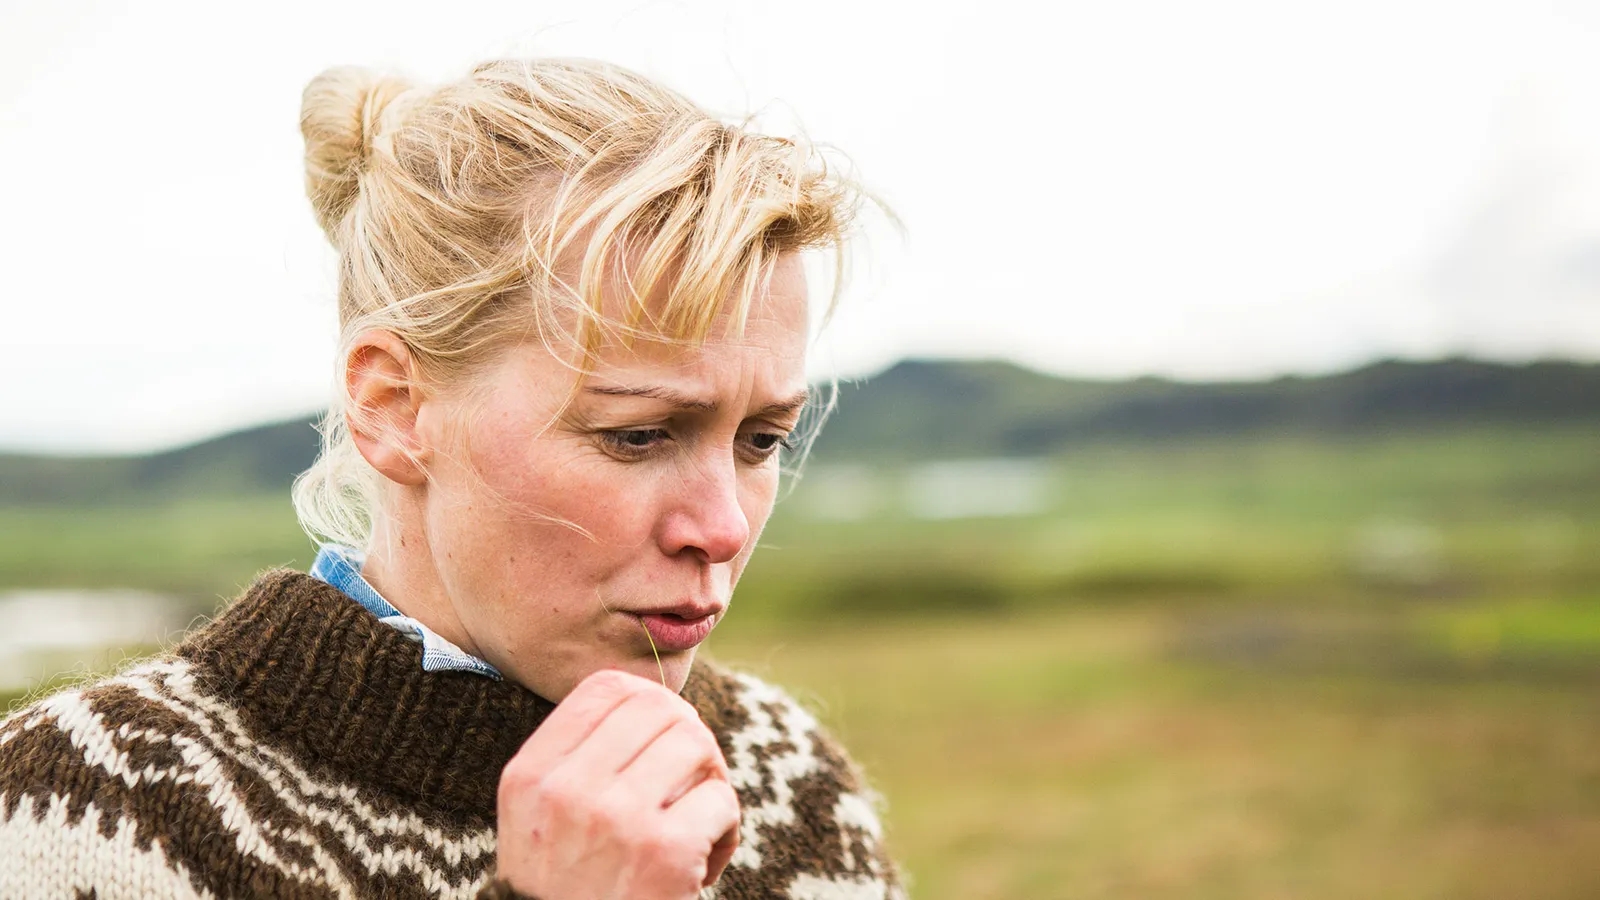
(679, 629)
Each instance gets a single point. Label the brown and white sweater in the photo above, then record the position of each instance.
(295, 748)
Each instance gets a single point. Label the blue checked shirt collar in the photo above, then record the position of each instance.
(340, 566)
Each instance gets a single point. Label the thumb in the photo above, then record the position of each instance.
(721, 854)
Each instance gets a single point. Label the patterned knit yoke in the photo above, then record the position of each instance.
(295, 748)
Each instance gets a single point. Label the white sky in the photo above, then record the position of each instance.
(1207, 190)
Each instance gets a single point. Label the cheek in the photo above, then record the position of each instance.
(526, 476)
(758, 494)
(580, 512)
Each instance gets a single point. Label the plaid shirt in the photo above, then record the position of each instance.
(340, 566)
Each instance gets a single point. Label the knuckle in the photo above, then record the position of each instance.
(659, 696)
(684, 707)
(618, 811)
(708, 761)
(707, 739)
(610, 682)
(728, 797)
(683, 742)
(557, 791)
(662, 844)
(686, 718)
(518, 777)
(703, 741)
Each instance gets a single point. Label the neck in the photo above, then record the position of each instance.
(400, 567)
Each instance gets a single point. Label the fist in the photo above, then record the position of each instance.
(621, 793)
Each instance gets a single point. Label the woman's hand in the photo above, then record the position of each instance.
(621, 793)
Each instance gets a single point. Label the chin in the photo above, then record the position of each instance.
(674, 670)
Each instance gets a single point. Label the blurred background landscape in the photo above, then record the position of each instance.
(1304, 637)
(1212, 509)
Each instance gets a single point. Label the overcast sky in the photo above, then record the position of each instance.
(1206, 190)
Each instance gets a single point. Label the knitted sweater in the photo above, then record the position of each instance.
(294, 747)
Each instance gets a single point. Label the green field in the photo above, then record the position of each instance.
(1295, 521)
(1275, 667)
(1107, 754)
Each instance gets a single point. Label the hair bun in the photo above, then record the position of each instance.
(340, 115)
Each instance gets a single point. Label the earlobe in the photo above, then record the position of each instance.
(385, 398)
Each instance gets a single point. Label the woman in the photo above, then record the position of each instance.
(574, 322)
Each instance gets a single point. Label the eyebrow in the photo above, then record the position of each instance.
(683, 401)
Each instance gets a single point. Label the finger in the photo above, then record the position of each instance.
(627, 730)
(710, 811)
(576, 717)
(678, 759)
(721, 854)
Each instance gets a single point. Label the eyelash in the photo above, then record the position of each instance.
(619, 443)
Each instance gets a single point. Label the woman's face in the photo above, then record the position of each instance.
(568, 541)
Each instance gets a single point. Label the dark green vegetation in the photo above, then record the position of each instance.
(944, 410)
(260, 460)
(1314, 638)
(926, 410)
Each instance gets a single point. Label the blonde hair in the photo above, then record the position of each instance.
(496, 209)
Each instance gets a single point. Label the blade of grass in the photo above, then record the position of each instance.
(659, 668)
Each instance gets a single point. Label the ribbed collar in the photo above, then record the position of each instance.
(321, 677)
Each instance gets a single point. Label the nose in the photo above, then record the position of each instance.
(705, 518)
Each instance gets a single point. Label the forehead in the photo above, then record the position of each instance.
(760, 362)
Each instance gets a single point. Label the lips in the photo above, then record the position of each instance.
(680, 628)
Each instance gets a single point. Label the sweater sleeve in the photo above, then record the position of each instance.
(809, 827)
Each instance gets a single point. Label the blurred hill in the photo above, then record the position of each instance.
(263, 458)
(922, 410)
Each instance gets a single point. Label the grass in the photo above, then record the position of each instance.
(1079, 755)
(202, 549)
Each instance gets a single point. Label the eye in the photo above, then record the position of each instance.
(760, 445)
(634, 443)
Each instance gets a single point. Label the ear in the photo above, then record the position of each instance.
(385, 396)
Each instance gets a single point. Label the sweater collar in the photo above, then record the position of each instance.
(322, 677)
(341, 566)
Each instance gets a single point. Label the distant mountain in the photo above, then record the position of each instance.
(946, 409)
(264, 458)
